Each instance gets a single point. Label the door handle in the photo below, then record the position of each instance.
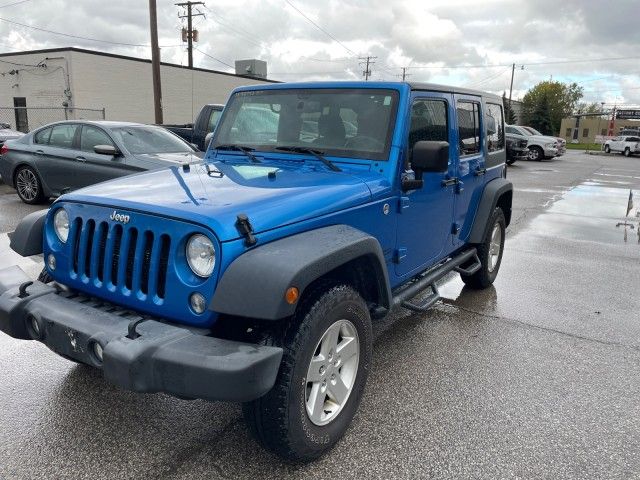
(39, 152)
(480, 171)
(81, 159)
(449, 181)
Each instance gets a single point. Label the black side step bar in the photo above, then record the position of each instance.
(429, 279)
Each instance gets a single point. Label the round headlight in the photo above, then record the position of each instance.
(61, 224)
(200, 255)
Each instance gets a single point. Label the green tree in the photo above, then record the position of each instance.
(548, 102)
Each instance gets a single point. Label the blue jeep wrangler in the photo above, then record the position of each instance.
(255, 275)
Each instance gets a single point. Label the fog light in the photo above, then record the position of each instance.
(97, 351)
(51, 262)
(198, 303)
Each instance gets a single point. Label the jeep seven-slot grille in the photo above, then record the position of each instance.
(126, 257)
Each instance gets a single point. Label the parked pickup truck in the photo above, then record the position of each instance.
(540, 146)
(205, 123)
(255, 276)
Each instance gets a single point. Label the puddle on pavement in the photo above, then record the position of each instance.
(590, 212)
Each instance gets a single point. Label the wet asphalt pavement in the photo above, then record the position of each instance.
(538, 377)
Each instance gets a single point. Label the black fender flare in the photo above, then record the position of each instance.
(491, 195)
(255, 283)
(27, 239)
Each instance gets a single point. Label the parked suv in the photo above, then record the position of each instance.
(255, 276)
(624, 144)
(562, 143)
(540, 146)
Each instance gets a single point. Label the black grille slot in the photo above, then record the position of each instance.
(146, 262)
(103, 230)
(117, 241)
(165, 243)
(77, 230)
(131, 255)
(88, 245)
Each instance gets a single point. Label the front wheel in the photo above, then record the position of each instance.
(536, 153)
(627, 152)
(607, 149)
(327, 353)
(489, 253)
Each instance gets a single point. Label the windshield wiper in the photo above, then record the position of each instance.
(246, 150)
(316, 153)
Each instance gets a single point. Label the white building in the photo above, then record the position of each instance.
(70, 81)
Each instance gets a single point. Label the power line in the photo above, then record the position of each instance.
(214, 58)
(367, 62)
(14, 3)
(191, 36)
(551, 62)
(322, 29)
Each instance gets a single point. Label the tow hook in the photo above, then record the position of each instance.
(22, 290)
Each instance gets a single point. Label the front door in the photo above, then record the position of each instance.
(424, 223)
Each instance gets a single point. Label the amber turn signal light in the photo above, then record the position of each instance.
(291, 295)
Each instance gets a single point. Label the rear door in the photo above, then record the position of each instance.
(469, 148)
(98, 167)
(56, 160)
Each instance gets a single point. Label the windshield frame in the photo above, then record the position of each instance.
(338, 153)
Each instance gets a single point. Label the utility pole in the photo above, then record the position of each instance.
(513, 71)
(155, 62)
(190, 35)
(404, 74)
(367, 61)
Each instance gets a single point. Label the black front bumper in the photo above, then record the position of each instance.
(155, 357)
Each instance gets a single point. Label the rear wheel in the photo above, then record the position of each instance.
(327, 352)
(28, 186)
(489, 253)
(536, 153)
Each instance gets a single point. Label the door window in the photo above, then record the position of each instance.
(428, 122)
(92, 136)
(468, 127)
(62, 135)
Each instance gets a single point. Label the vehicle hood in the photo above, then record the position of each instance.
(213, 194)
(167, 159)
(541, 139)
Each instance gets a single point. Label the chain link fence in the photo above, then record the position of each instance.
(25, 119)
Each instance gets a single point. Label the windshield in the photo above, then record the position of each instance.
(533, 130)
(148, 139)
(356, 123)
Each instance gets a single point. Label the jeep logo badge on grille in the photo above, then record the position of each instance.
(119, 217)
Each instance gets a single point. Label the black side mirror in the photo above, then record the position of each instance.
(106, 150)
(430, 156)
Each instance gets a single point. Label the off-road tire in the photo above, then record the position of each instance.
(484, 277)
(29, 175)
(511, 161)
(536, 153)
(279, 419)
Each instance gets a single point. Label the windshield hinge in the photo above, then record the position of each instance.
(246, 230)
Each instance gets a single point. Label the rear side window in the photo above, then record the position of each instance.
(213, 120)
(62, 135)
(42, 137)
(468, 127)
(495, 123)
(92, 136)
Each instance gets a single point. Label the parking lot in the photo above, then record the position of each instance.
(536, 377)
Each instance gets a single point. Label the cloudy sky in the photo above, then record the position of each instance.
(457, 42)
